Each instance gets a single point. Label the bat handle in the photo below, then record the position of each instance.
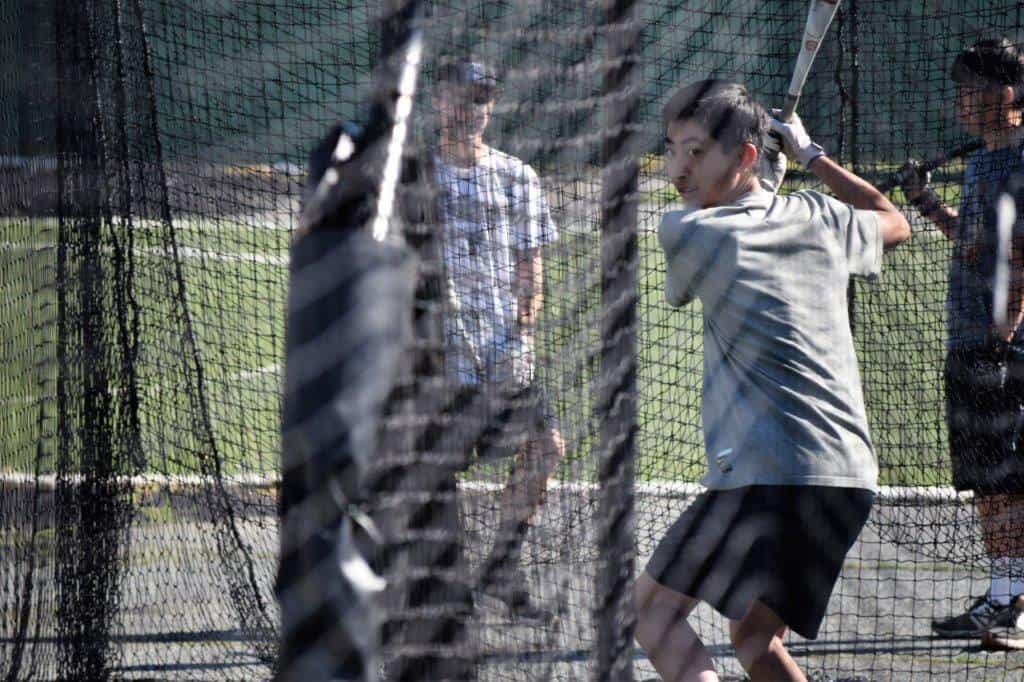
(790, 108)
(888, 184)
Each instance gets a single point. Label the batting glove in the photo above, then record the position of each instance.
(772, 163)
(914, 179)
(798, 143)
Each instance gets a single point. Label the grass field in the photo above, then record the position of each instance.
(235, 274)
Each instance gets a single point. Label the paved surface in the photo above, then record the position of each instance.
(177, 621)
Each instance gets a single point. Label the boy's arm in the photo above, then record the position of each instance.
(529, 286)
(847, 187)
(1015, 295)
(859, 193)
(915, 186)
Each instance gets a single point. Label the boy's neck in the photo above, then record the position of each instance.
(1010, 135)
(741, 190)
(464, 152)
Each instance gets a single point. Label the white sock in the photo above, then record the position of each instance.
(1016, 576)
(1000, 585)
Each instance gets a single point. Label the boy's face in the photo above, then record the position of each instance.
(979, 106)
(464, 110)
(701, 170)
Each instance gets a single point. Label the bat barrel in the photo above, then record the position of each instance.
(819, 16)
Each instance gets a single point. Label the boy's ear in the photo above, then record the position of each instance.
(748, 156)
(1007, 94)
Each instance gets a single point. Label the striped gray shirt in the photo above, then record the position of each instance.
(782, 398)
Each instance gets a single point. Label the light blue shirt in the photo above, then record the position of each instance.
(492, 212)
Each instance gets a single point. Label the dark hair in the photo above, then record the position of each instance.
(726, 110)
(994, 60)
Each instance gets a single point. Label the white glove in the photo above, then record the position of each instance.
(798, 142)
(523, 358)
(772, 165)
(914, 179)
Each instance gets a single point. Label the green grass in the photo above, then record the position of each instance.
(236, 283)
(236, 309)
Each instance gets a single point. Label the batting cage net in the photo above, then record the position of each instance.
(414, 407)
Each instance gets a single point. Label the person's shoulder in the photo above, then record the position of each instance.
(1018, 157)
(503, 161)
(673, 224)
(808, 196)
(809, 200)
(690, 216)
(694, 221)
(975, 159)
(671, 219)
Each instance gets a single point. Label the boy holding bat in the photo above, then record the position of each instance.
(983, 398)
(791, 468)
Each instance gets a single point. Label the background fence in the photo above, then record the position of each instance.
(152, 161)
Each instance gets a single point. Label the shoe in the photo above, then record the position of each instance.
(1008, 637)
(976, 621)
(511, 588)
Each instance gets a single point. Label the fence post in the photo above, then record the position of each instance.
(616, 387)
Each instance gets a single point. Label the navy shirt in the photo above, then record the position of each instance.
(972, 267)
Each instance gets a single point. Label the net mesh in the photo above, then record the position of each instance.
(153, 155)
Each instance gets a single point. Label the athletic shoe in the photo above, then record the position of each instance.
(976, 621)
(1009, 637)
(512, 589)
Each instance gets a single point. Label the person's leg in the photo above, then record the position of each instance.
(536, 448)
(757, 639)
(527, 484)
(966, 406)
(671, 644)
(1002, 530)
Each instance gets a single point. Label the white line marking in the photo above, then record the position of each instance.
(664, 489)
(184, 251)
(248, 375)
(274, 369)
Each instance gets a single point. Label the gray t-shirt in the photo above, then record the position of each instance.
(492, 212)
(782, 398)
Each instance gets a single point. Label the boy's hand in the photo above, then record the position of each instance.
(523, 358)
(914, 179)
(798, 143)
(773, 163)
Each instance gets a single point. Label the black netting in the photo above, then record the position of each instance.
(152, 159)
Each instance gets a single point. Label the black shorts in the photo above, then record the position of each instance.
(984, 396)
(781, 545)
(498, 422)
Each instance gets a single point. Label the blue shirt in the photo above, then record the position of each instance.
(972, 266)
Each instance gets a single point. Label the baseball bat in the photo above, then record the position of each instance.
(1007, 207)
(819, 16)
(1006, 216)
(931, 164)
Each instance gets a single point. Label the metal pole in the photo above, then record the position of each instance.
(616, 406)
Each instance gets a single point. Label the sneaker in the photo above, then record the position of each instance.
(1010, 636)
(976, 621)
(512, 589)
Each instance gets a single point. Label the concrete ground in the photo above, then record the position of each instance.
(911, 564)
